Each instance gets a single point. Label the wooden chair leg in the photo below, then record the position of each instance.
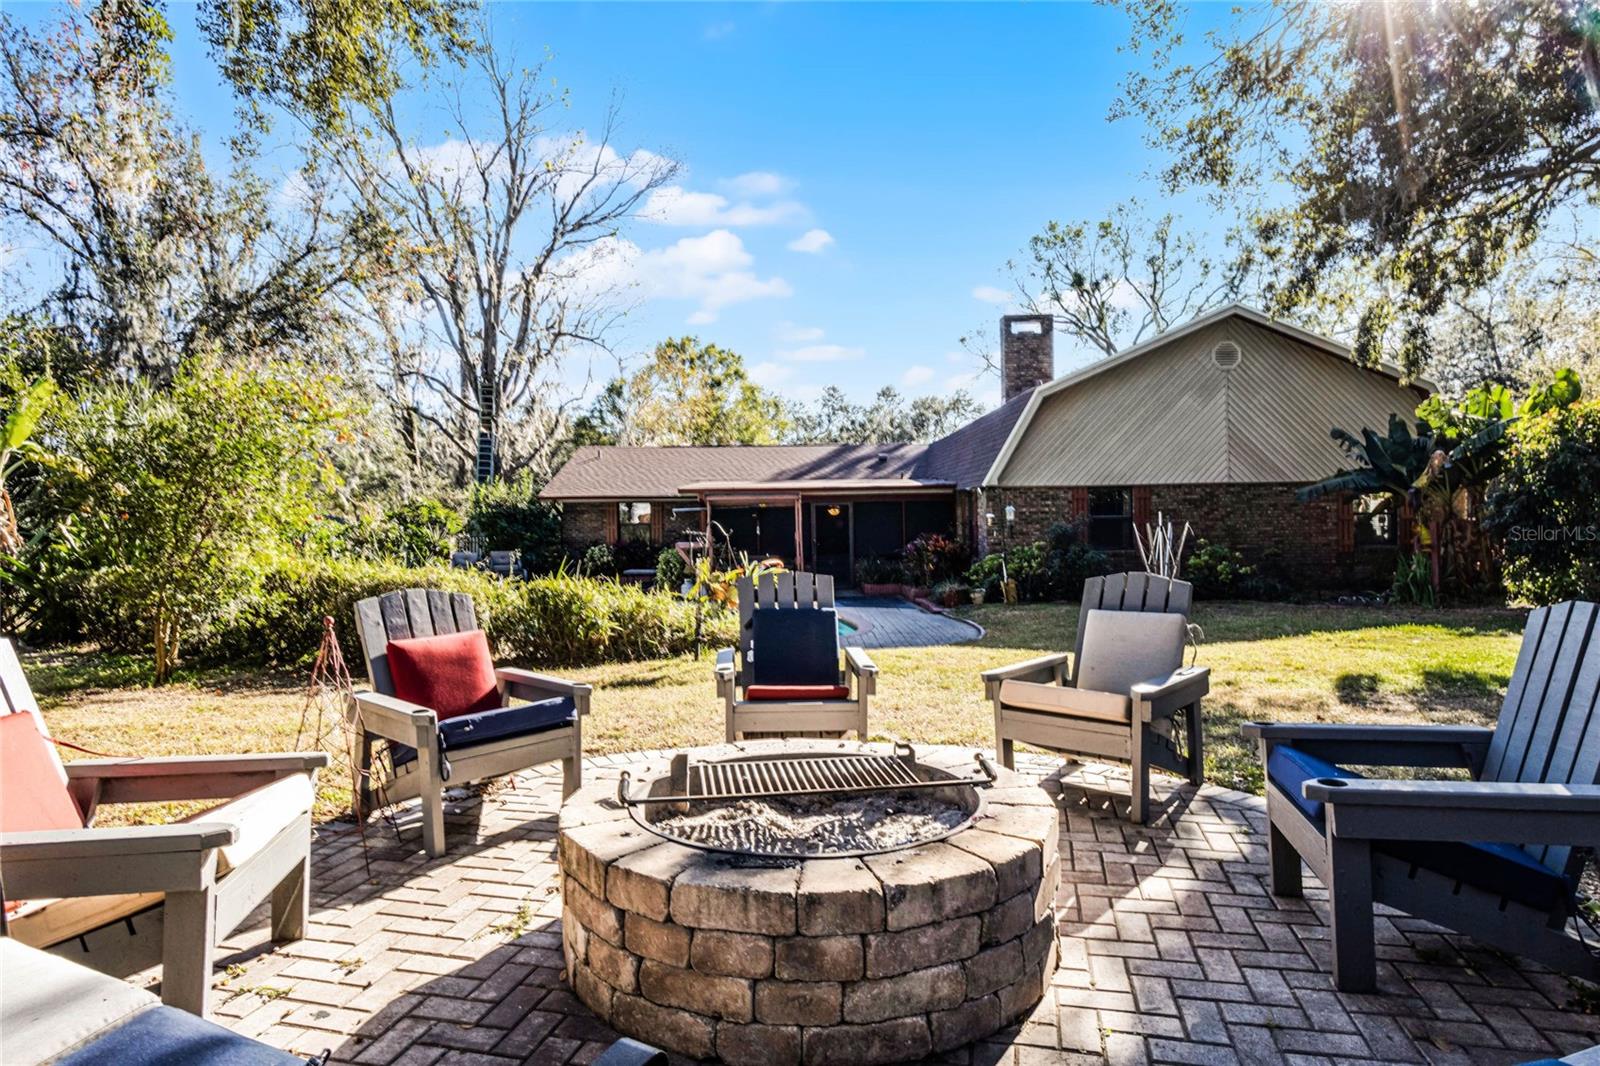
(572, 765)
(1355, 966)
(291, 902)
(431, 790)
(1139, 774)
(1004, 748)
(1197, 744)
(729, 725)
(188, 940)
(363, 792)
(1284, 865)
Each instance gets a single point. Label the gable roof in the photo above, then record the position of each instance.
(964, 457)
(1248, 314)
(654, 472)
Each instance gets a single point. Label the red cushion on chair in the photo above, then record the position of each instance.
(796, 692)
(451, 674)
(33, 795)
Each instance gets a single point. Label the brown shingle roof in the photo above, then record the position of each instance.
(621, 472)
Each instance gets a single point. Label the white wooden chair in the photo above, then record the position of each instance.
(1045, 702)
(120, 899)
(799, 688)
(425, 753)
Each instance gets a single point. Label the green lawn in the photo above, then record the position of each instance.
(1268, 661)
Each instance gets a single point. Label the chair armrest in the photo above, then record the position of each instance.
(192, 765)
(515, 682)
(857, 661)
(726, 672)
(120, 840)
(1379, 745)
(99, 782)
(1050, 668)
(1184, 687)
(121, 861)
(1460, 810)
(393, 718)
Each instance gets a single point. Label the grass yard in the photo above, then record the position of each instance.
(1268, 661)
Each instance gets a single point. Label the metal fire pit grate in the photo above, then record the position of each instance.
(789, 777)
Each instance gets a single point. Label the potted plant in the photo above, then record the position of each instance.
(977, 596)
(948, 593)
(879, 576)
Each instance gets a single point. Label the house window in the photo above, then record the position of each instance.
(633, 523)
(1375, 521)
(1111, 519)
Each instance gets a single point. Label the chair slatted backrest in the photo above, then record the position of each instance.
(1129, 592)
(787, 589)
(1549, 727)
(405, 614)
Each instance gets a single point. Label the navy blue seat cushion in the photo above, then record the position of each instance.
(1503, 869)
(795, 647)
(503, 723)
(166, 1034)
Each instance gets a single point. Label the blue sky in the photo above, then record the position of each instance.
(918, 145)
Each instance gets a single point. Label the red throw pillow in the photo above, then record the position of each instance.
(797, 692)
(451, 674)
(33, 792)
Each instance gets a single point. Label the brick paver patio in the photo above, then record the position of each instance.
(888, 623)
(1171, 950)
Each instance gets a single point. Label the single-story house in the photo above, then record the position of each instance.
(1216, 422)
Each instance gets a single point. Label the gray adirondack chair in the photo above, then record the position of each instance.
(123, 898)
(1497, 857)
(1040, 701)
(469, 747)
(747, 712)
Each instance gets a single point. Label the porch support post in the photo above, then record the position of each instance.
(799, 535)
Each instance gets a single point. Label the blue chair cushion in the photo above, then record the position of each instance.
(166, 1034)
(1503, 869)
(795, 647)
(503, 723)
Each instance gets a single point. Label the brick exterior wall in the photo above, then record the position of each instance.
(583, 524)
(1298, 543)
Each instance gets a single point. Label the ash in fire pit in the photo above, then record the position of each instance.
(816, 825)
(794, 806)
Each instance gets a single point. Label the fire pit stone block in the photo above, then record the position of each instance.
(814, 961)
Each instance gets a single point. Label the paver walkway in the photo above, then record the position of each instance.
(894, 623)
(1171, 950)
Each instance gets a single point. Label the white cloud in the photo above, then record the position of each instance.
(756, 184)
(822, 353)
(673, 205)
(789, 333)
(917, 375)
(811, 241)
(713, 270)
(770, 375)
(989, 294)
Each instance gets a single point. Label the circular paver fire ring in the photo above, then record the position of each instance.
(884, 958)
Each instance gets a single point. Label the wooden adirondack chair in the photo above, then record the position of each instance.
(1497, 857)
(798, 688)
(424, 752)
(1042, 702)
(120, 899)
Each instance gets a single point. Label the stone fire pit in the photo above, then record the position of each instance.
(819, 960)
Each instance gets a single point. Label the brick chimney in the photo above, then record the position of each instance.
(1027, 353)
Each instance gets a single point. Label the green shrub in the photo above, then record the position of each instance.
(598, 560)
(670, 570)
(1413, 582)
(1217, 572)
(932, 557)
(1545, 509)
(559, 620)
(508, 516)
(1069, 562)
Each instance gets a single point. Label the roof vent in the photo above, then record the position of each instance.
(880, 459)
(1225, 355)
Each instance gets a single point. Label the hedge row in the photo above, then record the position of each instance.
(561, 620)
